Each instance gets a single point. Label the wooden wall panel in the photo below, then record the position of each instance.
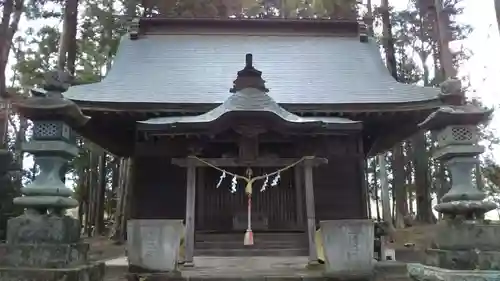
(277, 203)
(337, 190)
(159, 189)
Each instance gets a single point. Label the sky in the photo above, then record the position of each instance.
(483, 68)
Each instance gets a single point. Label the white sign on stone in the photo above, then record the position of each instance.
(154, 244)
(348, 246)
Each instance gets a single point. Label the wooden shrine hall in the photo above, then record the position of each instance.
(186, 100)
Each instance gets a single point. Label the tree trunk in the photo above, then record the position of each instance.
(11, 15)
(375, 189)
(443, 23)
(72, 47)
(101, 193)
(122, 208)
(497, 9)
(399, 186)
(390, 53)
(422, 182)
(93, 188)
(384, 188)
(368, 197)
(115, 176)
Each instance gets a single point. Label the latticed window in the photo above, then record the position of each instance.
(46, 130)
(457, 135)
(461, 134)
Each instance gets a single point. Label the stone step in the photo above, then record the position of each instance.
(244, 252)
(257, 244)
(257, 237)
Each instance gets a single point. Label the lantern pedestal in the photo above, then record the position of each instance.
(44, 244)
(466, 246)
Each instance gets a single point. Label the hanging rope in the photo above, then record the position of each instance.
(253, 179)
(250, 179)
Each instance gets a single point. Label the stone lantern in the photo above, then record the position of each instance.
(465, 245)
(44, 243)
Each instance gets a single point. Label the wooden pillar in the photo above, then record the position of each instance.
(299, 186)
(311, 217)
(200, 193)
(365, 198)
(190, 213)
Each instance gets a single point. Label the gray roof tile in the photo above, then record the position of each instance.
(200, 69)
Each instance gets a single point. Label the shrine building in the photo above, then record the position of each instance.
(193, 102)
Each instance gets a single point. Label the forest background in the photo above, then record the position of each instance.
(82, 36)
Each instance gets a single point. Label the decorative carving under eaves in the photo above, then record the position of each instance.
(250, 130)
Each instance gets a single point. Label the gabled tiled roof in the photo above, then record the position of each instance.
(200, 68)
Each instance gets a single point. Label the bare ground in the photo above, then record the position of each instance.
(101, 248)
(421, 236)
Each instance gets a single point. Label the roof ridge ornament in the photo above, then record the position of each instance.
(249, 77)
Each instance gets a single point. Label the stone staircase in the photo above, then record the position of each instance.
(265, 244)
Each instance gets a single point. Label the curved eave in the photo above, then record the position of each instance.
(50, 108)
(197, 108)
(93, 129)
(456, 115)
(402, 127)
(201, 124)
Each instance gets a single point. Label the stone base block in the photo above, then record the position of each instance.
(467, 260)
(154, 244)
(35, 228)
(91, 272)
(43, 255)
(348, 247)
(466, 235)
(419, 272)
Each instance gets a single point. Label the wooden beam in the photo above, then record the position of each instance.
(235, 162)
(190, 213)
(311, 216)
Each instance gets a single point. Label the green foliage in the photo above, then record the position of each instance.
(253, 8)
